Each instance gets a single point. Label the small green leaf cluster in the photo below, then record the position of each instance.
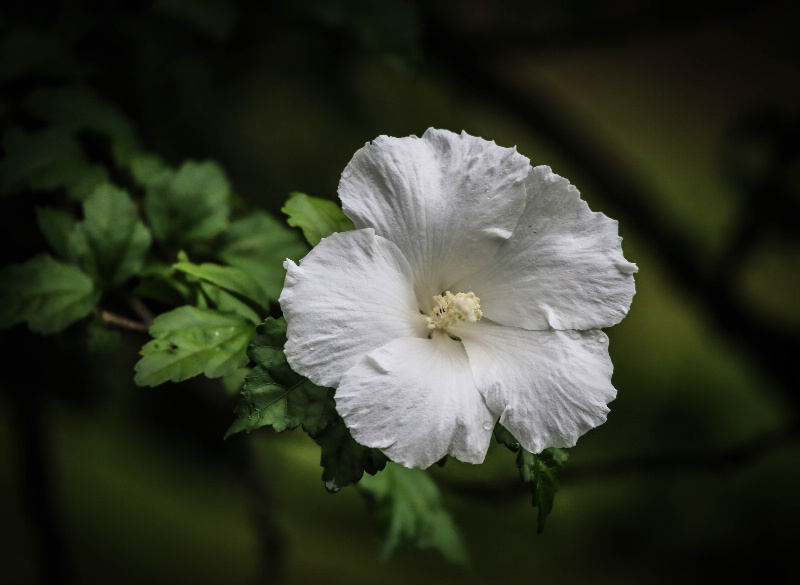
(274, 395)
(539, 470)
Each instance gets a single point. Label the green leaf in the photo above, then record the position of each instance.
(279, 403)
(148, 169)
(111, 243)
(229, 278)
(344, 461)
(259, 244)
(273, 394)
(74, 108)
(189, 205)
(48, 294)
(410, 512)
(189, 341)
(159, 283)
(56, 226)
(541, 472)
(318, 218)
(47, 159)
(226, 302)
(504, 437)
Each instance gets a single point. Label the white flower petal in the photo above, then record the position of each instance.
(415, 399)
(447, 200)
(562, 268)
(548, 387)
(350, 294)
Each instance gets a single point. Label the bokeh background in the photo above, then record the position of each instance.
(679, 119)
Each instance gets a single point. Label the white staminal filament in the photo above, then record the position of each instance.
(451, 308)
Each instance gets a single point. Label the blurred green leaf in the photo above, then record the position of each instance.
(148, 169)
(541, 472)
(73, 108)
(189, 205)
(410, 512)
(318, 218)
(47, 159)
(259, 244)
(56, 226)
(111, 242)
(189, 341)
(48, 294)
(215, 18)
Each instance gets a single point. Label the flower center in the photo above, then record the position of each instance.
(449, 309)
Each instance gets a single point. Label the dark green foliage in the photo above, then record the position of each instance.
(539, 470)
(274, 395)
(344, 461)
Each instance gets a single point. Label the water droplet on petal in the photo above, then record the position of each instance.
(487, 426)
(332, 487)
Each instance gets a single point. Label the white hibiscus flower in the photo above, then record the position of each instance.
(473, 290)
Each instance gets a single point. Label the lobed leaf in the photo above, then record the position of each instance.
(274, 395)
(189, 341)
(259, 244)
(343, 460)
(189, 205)
(48, 294)
(56, 226)
(541, 471)
(318, 218)
(411, 512)
(111, 243)
(228, 278)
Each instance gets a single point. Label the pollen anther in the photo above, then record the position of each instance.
(449, 309)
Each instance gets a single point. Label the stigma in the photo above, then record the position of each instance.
(449, 309)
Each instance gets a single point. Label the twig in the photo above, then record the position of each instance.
(110, 318)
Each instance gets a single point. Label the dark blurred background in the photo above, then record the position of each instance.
(679, 119)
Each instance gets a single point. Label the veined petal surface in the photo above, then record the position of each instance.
(562, 268)
(547, 387)
(448, 201)
(415, 400)
(350, 294)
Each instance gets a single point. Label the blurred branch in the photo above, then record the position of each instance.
(720, 462)
(465, 62)
(586, 26)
